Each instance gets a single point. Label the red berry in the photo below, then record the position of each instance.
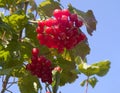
(58, 69)
(41, 23)
(73, 17)
(39, 29)
(57, 13)
(35, 51)
(61, 31)
(49, 30)
(49, 22)
(78, 23)
(64, 20)
(66, 12)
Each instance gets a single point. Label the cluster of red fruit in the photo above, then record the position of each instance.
(61, 31)
(40, 67)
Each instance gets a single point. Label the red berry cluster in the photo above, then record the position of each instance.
(40, 67)
(61, 31)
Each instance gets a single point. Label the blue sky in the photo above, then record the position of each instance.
(104, 44)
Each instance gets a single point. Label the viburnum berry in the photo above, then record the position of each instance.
(73, 17)
(78, 23)
(61, 31)
(66, 12)
(57, 13)
(41, 23)
(49, 22)
(58, 69)
(40, 67)
(35, 51)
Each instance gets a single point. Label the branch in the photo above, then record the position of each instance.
(87, 85)
(4, 85)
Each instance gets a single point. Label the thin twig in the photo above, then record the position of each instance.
(4, 85)
(86, 85)
(31, 21)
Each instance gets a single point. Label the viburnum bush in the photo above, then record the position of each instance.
(43, 47)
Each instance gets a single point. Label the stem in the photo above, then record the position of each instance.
(4, 85)
(26, 5)
(32, 21)
(86, 85)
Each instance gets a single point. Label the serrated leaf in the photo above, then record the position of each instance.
(67, 75)
(88, 69)
(83, 83)
(87, 17)
(29, 84)
(104, 67)
(100, 68)
(81, 50)
(47, 7)
(92, 81)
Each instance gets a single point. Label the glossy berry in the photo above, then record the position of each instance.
(78, 23)
(35, 51)
(58, 69)
(66, 12)
(40, 67)
(73, 17)
(61, 31)
(49, 22)
(41, 23)
(57, 13)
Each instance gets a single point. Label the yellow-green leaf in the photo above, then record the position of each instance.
(47, 7)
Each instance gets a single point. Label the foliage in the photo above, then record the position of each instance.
(18, 37)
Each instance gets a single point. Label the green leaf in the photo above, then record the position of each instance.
(88, 69)
(47, 7)
(92, 81)
(78, 60)
(4, 55)
(101, 68)
(83, 83)
(16, 21)
(104, 67)
(87, 17)
(10, 71)
(56, 82)
(82, 49)
(68, 74)
(29, 84)
(2, 3)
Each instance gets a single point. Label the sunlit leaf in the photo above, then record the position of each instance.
(99, 68)
(88, 69)
(92, 81)
(104, 67)
(17, 22)
(4, 55)
(83, 83)
(47, 7)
